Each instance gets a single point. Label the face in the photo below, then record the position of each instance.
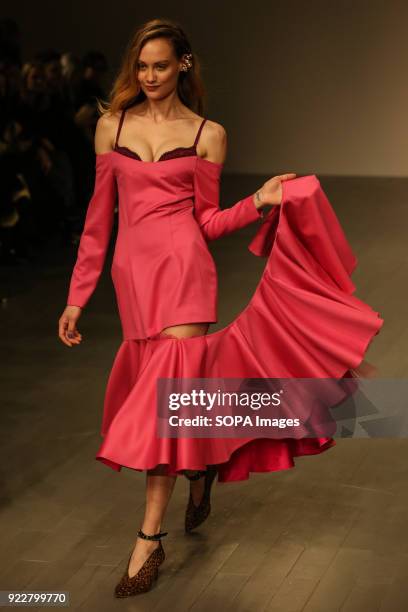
(96, 71)
(67, 65)
(35, 80)
(158, 68)
(52, 72)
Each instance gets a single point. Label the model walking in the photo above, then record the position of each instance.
(162, 161)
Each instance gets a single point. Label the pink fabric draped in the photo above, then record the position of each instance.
(302, 321)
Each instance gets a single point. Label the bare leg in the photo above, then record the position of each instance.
(159, 487)
(188, 330)
(158, 492)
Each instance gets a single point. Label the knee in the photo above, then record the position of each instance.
(159, 470)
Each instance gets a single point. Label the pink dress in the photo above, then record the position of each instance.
(301, 322)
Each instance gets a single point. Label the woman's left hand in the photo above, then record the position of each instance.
(271, 190)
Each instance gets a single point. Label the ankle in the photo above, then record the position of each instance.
(151, 537)
(149, 531)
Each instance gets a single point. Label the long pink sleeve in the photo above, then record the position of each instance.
(213, 221)
(95, 235)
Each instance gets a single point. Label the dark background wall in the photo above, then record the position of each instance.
(305, 86)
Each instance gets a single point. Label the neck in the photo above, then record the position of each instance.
(165, 109)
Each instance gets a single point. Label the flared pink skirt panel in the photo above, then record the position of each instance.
(302, 322)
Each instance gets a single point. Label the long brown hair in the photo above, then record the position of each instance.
(126, 90)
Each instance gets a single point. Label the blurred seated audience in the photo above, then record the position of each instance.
(48, 116)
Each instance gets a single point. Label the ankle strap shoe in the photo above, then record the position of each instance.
(156, 536)
(148, 573)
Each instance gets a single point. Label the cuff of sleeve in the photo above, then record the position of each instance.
(252, 211)
(74, 299)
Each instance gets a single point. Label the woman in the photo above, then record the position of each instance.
(165, 160)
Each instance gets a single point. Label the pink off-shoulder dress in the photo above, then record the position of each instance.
(302, 321)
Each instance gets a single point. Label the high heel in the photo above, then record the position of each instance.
(148, 573)
(195, 515)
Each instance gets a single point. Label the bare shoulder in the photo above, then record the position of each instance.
(105, 132)
(213, 142)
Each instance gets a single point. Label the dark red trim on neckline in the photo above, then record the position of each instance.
(173, 153)
(177, 152)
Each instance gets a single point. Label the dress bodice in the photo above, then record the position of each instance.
(162, 270)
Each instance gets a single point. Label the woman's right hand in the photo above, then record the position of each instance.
(68, 332)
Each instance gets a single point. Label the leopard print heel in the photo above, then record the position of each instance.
(195, 515)
(148, 573)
